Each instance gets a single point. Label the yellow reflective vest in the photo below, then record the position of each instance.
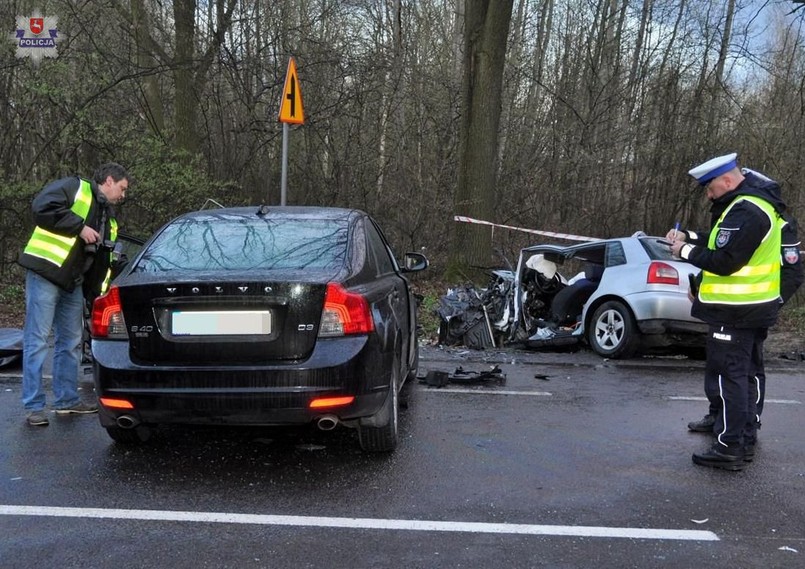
(113, 236)
(759, 280)
(55, 248)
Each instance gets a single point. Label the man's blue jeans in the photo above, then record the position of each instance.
(49, 306)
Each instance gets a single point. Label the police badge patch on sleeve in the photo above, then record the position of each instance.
(791, 255)
(723, 237)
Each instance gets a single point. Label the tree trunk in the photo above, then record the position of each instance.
(486, 29)
(184, 14)
(191, 70)
(718, 80)
(146, 63)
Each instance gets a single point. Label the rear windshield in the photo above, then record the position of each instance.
(235, 243)
(658, 249)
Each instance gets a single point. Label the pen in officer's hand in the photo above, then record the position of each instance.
(676, 229)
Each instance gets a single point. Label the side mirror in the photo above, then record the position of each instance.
(414, 262)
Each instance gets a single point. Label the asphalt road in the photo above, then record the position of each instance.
(573, 462)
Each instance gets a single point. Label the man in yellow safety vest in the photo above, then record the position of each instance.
(67, 257)
(738, 297)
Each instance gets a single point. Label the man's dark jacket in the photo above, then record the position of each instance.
(51, 210)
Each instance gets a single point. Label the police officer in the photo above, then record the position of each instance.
(68, 257)
(738, 297)
(791, 278)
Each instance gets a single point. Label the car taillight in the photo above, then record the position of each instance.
(107, 316)
(662, 273)
(344, 313)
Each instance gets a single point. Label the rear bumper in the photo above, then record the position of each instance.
(660, 326)
(278, 394)
(661, 312)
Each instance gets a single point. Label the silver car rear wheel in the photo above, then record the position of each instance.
(612, 332)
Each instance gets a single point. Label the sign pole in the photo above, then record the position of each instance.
(284, 181)
(291, 112)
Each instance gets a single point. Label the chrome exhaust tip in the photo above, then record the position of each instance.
(127, 422)
(327, 423)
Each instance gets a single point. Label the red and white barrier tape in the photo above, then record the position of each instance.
(464, 219)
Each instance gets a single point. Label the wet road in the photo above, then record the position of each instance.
(586, 465)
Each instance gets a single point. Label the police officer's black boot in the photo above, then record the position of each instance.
(750, 439)
(749, 450)
(704, 425)
(730, 457)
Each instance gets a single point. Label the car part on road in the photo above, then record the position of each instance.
(494, 375)
(436, 378)
(477, 318)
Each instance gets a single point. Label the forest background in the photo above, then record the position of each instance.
(605, 105)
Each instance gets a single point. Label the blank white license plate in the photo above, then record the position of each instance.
(221, 323)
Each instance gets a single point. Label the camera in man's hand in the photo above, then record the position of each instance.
(105, 246)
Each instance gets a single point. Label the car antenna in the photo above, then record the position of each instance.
(210, 200)
(263, 211)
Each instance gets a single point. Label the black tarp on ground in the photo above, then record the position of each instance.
(10, 345)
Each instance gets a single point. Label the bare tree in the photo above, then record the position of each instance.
(486, 28)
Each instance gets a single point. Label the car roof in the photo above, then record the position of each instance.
(345, 217)
(565, 248)
(275, 211)
(575, 246)
(637, 246)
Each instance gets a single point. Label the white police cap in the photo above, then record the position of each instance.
(714, 168)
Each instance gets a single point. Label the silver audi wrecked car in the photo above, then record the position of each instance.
(620, 295)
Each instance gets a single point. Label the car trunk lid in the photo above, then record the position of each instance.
(209, 323)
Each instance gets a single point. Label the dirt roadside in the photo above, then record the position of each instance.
(11, 317)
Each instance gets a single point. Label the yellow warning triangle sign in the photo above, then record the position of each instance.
(291, 105)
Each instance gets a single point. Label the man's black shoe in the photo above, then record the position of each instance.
(704, 425)
(749, 451)
(719, 456)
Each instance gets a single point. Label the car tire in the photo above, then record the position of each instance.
(406, 392)
(134, 436)
(382, 432)
(414, 369)
(613, 332)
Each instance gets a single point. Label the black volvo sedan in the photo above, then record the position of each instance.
(258, 316)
